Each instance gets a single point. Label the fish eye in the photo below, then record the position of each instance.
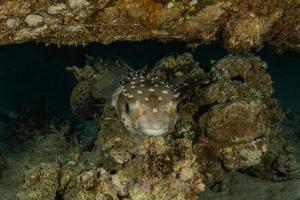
(178, 107)
(126, 107)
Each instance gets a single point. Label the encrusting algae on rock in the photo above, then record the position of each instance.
(240, 25)
(221, 126)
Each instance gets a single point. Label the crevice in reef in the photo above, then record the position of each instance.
(238, 78)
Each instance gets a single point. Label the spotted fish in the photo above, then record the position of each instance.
(146, 105)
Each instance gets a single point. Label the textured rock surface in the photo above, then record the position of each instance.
(241, 186)
(40, 183)
(241, 25)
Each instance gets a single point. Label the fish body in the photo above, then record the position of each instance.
(146, 105)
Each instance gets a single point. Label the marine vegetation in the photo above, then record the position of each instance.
(222, 126)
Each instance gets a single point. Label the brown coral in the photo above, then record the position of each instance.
(235, 122)
(248, 31)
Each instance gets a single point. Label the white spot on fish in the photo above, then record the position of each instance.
(130, 96)
(160, 98)
(156, 85)
(139, 92)
(165, 92)
(155, 110)
(151, 90)
(142, 85)
(133, 86)
(137, 103)
(146, 99)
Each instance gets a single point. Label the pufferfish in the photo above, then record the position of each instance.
(146, 105)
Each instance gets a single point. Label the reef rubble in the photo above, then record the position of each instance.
(239, 25)
(229, 123)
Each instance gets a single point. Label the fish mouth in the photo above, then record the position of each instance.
(154, 132)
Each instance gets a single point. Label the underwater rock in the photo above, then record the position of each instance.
(239, 99)
(185, 128)
(239, 25)
(243, 155)
(235, 122)
(276, 163)
(234, 78)
(56, 9)
(40, 183)
(244, 187)
(85, 135)
(96, 81)
(172, 67)
(249, 31)
(12, 23)
(183, 72)
(155, 163)
(34, 20)
(78, 4)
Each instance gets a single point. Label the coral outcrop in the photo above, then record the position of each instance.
(228, 122)
(240, 25)
(40, 183)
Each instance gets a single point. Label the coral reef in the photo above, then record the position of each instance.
(91, 88)
(228, 122)
(85, 134)
(241, 25)
(47, 144)
(40, 183)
